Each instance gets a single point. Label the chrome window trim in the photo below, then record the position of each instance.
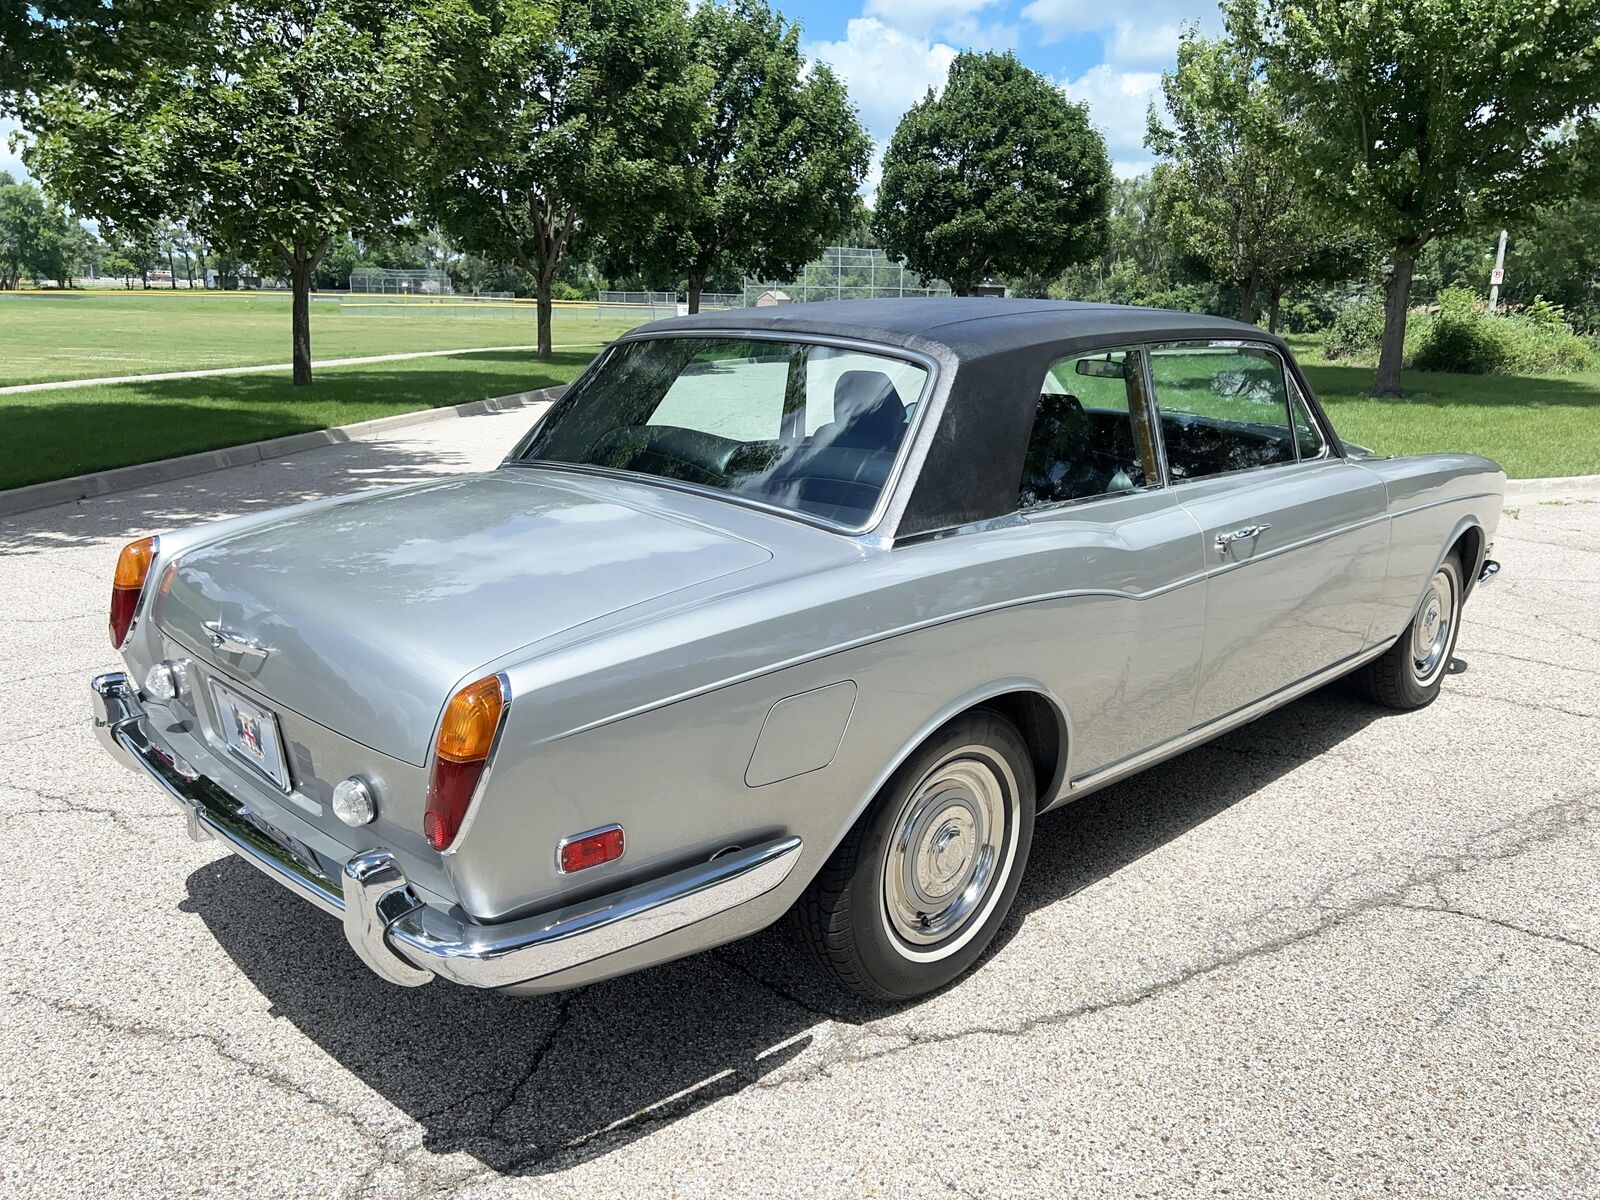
(891, 484)
(1161, 481)
(1311, 412)
(1288, 409)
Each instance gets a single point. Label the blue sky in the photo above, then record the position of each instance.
(1107, 54)
(891, 51)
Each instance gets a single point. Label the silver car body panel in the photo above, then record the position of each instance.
(650, 634)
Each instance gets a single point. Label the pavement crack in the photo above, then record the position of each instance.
(536, 1060)
(270, 1076)
(1511, 926)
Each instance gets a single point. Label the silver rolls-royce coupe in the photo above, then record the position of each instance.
(806, 610)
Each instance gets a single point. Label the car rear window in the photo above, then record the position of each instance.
(807, 427)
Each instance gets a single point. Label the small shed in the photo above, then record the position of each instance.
(772, 296)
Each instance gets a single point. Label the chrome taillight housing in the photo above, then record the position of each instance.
(466, 739)
(127, 585)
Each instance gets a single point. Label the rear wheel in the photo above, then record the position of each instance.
(919, 886)
(1410, 672)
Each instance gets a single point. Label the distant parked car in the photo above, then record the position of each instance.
(807, 609)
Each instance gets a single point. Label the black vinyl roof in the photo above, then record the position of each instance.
(969, 326)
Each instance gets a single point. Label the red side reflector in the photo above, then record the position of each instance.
(590, 849)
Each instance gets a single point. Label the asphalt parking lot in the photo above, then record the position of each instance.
(1338, 952)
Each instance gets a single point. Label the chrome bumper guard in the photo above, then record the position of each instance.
(408, 942)
(1490, 570)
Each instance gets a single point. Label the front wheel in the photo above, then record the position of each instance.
(1410, 672)
(919, 886)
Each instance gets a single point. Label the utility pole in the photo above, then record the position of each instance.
(1498, 275)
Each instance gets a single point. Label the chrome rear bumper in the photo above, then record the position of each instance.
(408, 942)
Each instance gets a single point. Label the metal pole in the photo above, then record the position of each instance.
(1498, 274)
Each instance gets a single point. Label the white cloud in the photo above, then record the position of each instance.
(10, 161)
(1130, 43)
(1119, 103)
(886, 69)
(924, 16)
(1057, 18)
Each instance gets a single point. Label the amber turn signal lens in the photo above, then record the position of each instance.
(470, 720)
(133, 564)
(133, 568)
(466, 736)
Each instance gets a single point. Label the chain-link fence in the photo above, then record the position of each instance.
(638, 306)
(387, 281)
(843, 273)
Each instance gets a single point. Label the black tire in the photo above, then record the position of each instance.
(1402, 678)
(844, 916)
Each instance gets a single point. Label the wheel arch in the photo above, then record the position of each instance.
(1038, 713)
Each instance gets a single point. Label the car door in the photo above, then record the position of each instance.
(1122, 640)
(1294, 538)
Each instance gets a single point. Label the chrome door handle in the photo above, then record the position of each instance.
(1226, 540)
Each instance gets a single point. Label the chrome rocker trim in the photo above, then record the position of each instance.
(408, 942)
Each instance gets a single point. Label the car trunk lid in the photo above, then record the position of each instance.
(370, 612)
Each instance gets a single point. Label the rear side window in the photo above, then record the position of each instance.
(1223, 408)
(1091, 432)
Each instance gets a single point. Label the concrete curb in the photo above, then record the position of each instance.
(123, 479)
(1567, 487)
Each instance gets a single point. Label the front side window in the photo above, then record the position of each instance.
(811, 428)
(1223, 408)
(1091, 432)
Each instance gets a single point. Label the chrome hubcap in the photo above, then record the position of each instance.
(1430, 632)
(946, 850)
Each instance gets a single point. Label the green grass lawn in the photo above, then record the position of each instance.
(52, 434)
(1533, 426)
(76, 335)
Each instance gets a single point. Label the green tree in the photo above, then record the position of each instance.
(286, 123)
(1227, 190)
(1416, 119)
(773, 176)
(573, 119)
(46, 43)
(1000, 174)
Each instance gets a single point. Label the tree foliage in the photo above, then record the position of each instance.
(1418, 118)
(574, 120)
(1227, 190)
(38, 240)
(284, 124)
(773, 175)
(1000, 174)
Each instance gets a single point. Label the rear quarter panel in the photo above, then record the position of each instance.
(655, 727)
(1433, 500)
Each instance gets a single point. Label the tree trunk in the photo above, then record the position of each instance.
(697, 285)
(172, 271)
(1396, 302)
(1274, 297)
(1247, 300)
(545, 313)
(300, 281)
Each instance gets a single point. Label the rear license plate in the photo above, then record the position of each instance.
(251, 732)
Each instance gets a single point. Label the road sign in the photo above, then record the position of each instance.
(1497, 276)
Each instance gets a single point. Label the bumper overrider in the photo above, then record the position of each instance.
(407, 941)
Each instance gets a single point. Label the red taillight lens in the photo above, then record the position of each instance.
(133, 568)
(466, 736)
(590, 849)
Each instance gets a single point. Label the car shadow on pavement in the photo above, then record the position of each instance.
(537, 1084)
